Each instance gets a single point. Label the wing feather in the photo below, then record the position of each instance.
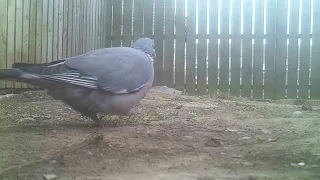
(74, 78)
(118, 70)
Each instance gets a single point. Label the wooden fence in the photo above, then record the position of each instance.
(36, 31)
(252, 48)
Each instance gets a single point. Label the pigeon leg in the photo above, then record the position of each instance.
(107, 124)
(94, 117)
(135, 111)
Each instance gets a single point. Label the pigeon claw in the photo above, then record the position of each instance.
(135, 111)
(108, 124)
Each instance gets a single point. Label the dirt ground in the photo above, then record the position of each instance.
(176, 137)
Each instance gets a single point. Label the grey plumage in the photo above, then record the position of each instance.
(109, 81)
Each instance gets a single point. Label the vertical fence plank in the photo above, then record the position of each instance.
(70, 25)
(315, 68)
(180, 44)
(108, 25)
(89, 19)
(32, 34)
(55, 30)
(247, 49)
(50, 32)
(94, 28)
(202, 48)
(235, 48)
(304, 49)
(269, 83)
(127, 23)
(3, 37)
(90, 24)
(281, 49)
(98, 11)
(65, 28)
(97, 30)
(138, 19)
(158, 38)
(44, 32)
(116, 36)
(224, 47)
(102, 27)
(84, 26)
(75, 28)
(293, 50)
(18, 35)
(80, 29)
(25, 34)
(60, 24)
(258, 50)
(213, 47)
(148, 17)
(169, 44)
(38, 59)
(11, 37)
(191, 47)
(98, 17)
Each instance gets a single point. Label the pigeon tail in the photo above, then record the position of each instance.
(10, 74)
(22, 65)
(17, 75)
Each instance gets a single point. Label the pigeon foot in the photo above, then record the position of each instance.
(135, 111)
(108, 124)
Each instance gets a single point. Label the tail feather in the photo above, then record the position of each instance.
(10, 74)
(21, 65)
(31, 73)
(17, 75)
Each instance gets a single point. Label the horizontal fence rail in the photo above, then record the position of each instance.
(251, 48)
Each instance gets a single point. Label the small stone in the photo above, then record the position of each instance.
(6, 96)
(232, 130)
(50, 176)
(294, 165)
(213, 142)
(273, 139)
(247, 163)
(90, 153)
(179, 107)
(306, 107)
(299, 102)
(183, 115)
(26, 120)
(297, 113)
(265, 131)
(53, 161)
(246, 138)
(237, 156)
(188, 137)
(301, 164)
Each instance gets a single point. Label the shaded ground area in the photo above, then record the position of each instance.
(176, 137)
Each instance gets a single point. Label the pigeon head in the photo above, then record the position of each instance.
(146, 45)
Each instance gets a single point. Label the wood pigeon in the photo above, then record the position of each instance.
(109, 81)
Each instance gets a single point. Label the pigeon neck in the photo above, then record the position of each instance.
(143, 50)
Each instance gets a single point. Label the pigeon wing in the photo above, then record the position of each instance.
(117, 70)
